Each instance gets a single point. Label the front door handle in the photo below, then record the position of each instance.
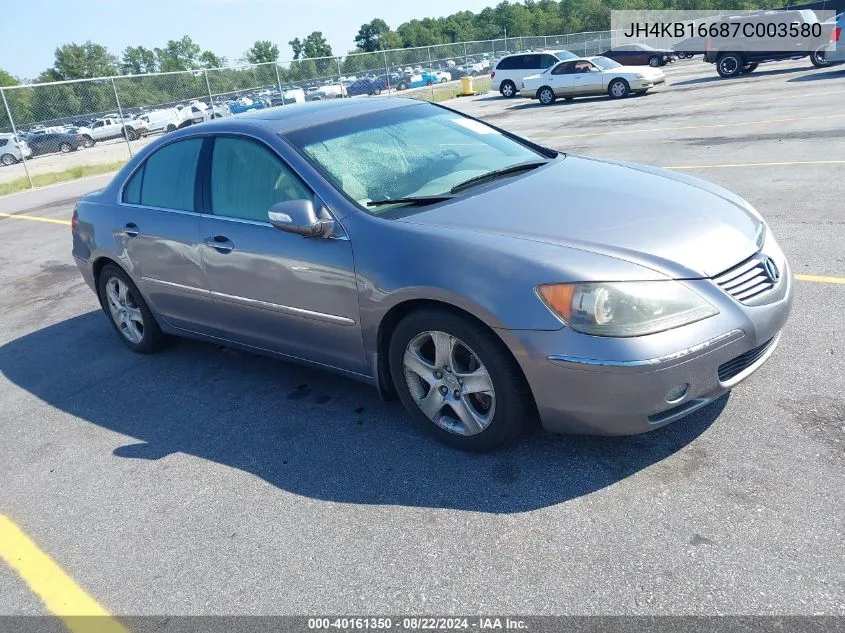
(220, 243)
(130, 229)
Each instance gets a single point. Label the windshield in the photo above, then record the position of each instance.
(413, 151)
(604, 63)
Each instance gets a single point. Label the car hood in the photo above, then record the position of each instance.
(671, 223)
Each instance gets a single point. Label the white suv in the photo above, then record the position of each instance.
(509, 72)
(12, 151)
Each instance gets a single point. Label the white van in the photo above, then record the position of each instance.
(509, 72)
(164, 120)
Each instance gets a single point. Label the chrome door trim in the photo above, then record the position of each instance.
(732, 335)
(276, 307)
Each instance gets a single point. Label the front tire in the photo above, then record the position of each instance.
(171, 127)
(8, 160)
(618, 89)
(128, 312)
(88, 142)
(130, 134)
(654, 61)
(458, 380)
(729, 65)
(546, 95)
(508, 89)
(65, 148)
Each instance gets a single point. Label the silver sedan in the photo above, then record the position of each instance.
(390, 241)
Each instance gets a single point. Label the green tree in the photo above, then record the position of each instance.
(183, 54)
(315, 45)
(262, 51)
(376, 36)
(209, 60)
(81, 61)
(138, 60)
(6, 79)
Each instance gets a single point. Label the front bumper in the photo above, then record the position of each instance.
(604, 386)
(647, 82)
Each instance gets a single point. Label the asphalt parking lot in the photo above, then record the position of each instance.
(207, 481)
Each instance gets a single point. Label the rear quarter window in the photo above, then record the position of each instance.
(508, 63)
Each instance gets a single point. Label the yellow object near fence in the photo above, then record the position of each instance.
(466, 86)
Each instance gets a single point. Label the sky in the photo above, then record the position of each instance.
(226, 27)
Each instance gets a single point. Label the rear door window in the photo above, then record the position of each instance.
(167, 178)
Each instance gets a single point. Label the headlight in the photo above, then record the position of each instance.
(627, 308)
(639, 76)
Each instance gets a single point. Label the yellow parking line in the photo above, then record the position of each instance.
(703, 127)
(784, 163)
(59, 593)
(35, 218)
(821, 279)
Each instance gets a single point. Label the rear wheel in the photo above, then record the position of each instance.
(8, 160)
(618, 89)
(508, 89)
(546, 95)
(819, 58)
(654, 61)
(88, 142)
(130, 134)
(443, 80)
(171, 127)
(458, 380)
(128, 312)
(729, 64)
(65, 148)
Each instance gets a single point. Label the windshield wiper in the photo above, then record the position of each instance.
(416, 200)
(497, 173)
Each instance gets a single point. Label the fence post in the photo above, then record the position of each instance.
(386, 72)
(120, 114)
(17, 138)
(430, 73)
(279, 82)
(465, 53)
(339, 83)
(208, 87)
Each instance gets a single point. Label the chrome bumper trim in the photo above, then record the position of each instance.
(722, 338)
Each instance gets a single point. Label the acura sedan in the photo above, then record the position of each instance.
(590, 76)
(390, 241)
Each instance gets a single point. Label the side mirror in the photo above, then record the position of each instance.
(299, 217)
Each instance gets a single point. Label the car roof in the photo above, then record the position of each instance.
(291, 117)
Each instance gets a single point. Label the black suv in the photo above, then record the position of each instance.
(734, 55)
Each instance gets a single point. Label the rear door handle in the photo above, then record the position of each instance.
(130, 229)
(220, 243)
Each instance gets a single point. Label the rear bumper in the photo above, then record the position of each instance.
(595, 386)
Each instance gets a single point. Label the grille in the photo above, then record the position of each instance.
(745, 281)
(743, 361)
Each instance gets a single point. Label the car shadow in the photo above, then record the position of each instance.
(310, 432)
(757, 73)
(837, 72)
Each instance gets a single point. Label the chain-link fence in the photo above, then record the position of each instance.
(91, 126)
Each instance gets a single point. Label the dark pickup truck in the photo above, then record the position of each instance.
(736, 54)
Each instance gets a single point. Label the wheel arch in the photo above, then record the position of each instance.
(392, 317)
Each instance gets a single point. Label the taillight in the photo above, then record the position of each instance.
(492, 74)
(835, 33)
(74, 221)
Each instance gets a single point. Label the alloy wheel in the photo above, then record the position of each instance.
(618, 89)
(449, 383)
(546, 96)
(124, 310)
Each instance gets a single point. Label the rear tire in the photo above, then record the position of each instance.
(729, 65)
(546, 95)
(8, 160)
(479, 418)
(508, 89)
(819, 58)
(65, 148)
(618, 89)
(130, 134)
(171, 127)
(654, 61)
(88, 142)
(127, 311)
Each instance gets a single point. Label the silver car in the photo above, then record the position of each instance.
(481, 278)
